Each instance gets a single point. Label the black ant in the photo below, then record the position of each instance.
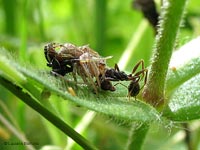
(117, 75)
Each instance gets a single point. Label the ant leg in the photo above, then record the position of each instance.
(144, 73)
(145, 79)
(137, 65)
(121, 84)
(129, 96)
(129, 92)
(140, 72)
(125, 87)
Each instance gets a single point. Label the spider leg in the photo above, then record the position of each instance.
(116, 67)
(94, 70)
(74, 72)
(87, 76)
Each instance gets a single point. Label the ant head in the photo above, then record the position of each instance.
(107, 85)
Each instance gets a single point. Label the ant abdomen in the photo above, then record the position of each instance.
(133, 89)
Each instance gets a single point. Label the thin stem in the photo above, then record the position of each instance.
(17, 133)
(137, 136)
(82, 125)
(100, 23)
(10, 11)
(23, 32)
(9, 115)
(60, 124)
(41, 19)
(172, 12)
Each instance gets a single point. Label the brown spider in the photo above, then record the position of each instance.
(82, 60)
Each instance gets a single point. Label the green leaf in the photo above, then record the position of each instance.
(185, 101)
(114, 104)
(184, 65)
(183, 83)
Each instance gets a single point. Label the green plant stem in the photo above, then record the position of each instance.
(172, 12)
(100, 23)
(81, 127)
(27, 99)
(10, 11)
(8, 114)
(41, 20)
(137, 136)
(23, 32)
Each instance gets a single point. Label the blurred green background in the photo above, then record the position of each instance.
(108, 26)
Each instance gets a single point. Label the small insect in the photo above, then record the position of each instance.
(117, 75)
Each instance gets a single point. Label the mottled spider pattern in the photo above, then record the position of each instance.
(82, 60)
